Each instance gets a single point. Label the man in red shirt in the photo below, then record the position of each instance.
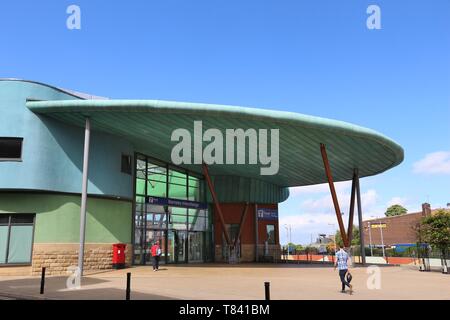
(156, 253)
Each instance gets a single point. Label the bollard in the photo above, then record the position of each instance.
(267, 290)
(42, 280)
(128, 286)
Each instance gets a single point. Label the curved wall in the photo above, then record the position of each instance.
(52, 156)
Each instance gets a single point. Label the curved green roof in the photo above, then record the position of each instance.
(149, 124)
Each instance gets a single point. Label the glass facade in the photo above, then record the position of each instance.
(177, 214)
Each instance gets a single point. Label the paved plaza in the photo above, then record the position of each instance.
(244, 281)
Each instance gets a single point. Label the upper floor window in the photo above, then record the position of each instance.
(126, 164)
(11, 149)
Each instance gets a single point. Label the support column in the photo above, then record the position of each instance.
(360, 219)
(216, 202)
(87, 136)
(333, 195)
(352, 211)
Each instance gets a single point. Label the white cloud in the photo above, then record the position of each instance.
(434, 163)
(305, 225)
(397, 200)
(369, 198)
(316, 214)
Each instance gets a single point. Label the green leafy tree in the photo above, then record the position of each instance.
(435, 230)
(355, 237)
(395, 210)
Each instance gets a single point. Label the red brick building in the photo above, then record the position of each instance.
(396, 229)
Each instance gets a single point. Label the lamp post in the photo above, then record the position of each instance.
(382, 240)
(334, 235)
(370, 238)
(288, 237)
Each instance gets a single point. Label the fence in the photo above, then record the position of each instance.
(423, 257)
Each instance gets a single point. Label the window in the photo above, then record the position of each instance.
(177, 185)
(126, 164)
(270, 229)
(16, 238)
(11, 149)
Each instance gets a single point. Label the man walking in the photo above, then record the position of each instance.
(156, 253)
(341, 263)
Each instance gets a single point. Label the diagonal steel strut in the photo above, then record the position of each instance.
(333, 194)
(241, 225)
(352, 209)
(216, 201)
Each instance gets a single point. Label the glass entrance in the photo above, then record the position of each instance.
(195, 247)
(151, 237)
(177, 246)
(170, 206)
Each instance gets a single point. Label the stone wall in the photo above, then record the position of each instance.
(58, 257)
(247, 253)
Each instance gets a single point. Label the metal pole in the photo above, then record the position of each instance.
(87, 135)
(287, 238)
(370, 239)
(243, 217)
(127, 294)
(216, 203)
(290, 233)
(360, 218)
(382, 241)
(267, 290)
(352, 210)
(329, 175)
(42, 281)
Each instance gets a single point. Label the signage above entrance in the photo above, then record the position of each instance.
(176, 203)
(267, 214)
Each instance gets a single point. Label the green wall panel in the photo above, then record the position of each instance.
(58, 217)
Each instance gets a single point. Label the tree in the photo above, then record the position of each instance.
(395, 210)
(435, 230)
(355, 237)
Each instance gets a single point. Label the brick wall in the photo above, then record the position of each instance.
(399, 229)
(232, 215)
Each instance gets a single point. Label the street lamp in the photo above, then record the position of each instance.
(382, 240)
(334, 235)
(370, 238)
(288, 237)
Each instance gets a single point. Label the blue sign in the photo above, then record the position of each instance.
(267, 214)
(176, 203)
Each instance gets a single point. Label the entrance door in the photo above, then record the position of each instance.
(195, 247)
(177, 246)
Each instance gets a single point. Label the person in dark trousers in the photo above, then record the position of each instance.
(341, 263)
(156, 254)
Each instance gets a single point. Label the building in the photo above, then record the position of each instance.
(396, 229)
(79, 173)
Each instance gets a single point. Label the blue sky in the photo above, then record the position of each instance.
(313, 57)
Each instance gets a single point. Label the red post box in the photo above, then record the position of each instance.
(118, 259)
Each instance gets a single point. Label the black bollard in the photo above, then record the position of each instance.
(128, 286)
(42, 280)
(267, 290)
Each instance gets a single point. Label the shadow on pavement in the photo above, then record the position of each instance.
(55, 288)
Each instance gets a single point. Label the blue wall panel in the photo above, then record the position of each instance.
(52, 157)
